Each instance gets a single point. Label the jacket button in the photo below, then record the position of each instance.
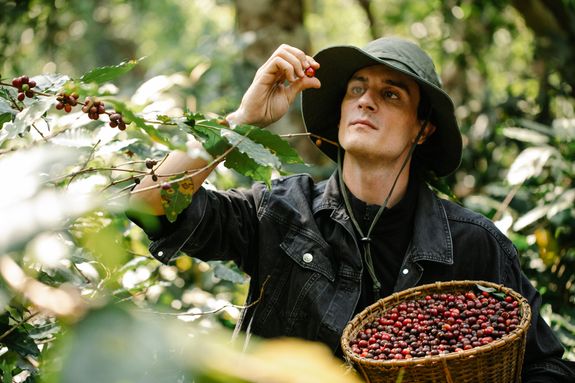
(307, 257)
(160, 253)
(405, 271)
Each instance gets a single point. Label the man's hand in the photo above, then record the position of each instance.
(275, 86)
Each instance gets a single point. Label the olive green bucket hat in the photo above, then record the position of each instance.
(321, 107)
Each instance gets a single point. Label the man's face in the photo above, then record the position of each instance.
(379, 114)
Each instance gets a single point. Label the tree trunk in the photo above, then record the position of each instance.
(265, 25)
(553, 22)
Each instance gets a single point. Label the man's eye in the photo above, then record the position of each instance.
(357, 90)
(390, 94)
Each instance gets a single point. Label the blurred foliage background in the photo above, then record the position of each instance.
(77, 285)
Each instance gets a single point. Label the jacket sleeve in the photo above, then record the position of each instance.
(215, 226)
(543, 353)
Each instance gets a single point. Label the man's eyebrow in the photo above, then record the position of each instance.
(358, 78)
(397, 83)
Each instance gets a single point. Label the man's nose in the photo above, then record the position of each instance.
(367, 101)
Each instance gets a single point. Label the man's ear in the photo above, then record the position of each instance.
(427, 132)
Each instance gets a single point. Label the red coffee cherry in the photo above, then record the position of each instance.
(310, 72)
(116, 120)
(66, 101)
(24, 86)
(93, 108)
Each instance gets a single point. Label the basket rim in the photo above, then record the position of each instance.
(370, 312)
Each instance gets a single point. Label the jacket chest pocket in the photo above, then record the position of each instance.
(303, 285)
(311, 255)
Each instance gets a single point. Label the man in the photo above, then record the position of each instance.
(321, 252)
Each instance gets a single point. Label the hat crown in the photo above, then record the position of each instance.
(406, 54)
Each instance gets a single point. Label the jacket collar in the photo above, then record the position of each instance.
(431, 236)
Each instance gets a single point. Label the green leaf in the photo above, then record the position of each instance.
(132, 347)
(248, 158)
(177, 197)
(6, 369)
(27, 117)
(107, 73)
(491, 290)
(226, 272)
(245, 165)
(210, 138)
(5, 107)
(5, 117)
(51, 82)
(252, 149)
(486, 289)
(19, 341)
(274, 143)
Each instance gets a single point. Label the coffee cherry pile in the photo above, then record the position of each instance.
(66, 101)
(437, 324)
(24, 86)
(93, 108)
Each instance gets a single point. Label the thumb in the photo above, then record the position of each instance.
(302, 84)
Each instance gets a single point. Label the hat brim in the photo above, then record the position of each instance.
(321, 107)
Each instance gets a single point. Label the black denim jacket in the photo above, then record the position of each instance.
(296, 240)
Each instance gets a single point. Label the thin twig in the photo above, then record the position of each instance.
(291, 135)
(506, 202)
(85, 162)
(40, 133)
(186, 174)
(11, 329)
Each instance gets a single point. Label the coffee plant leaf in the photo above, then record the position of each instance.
(176, 196)
(18, 340)
(255, 151)
(105, 74)
(208, 137)
(274, 143)
(5, 107)
(134, 347)
(51, 82)
(227, 272)
(26, 118)
(5, 117)
(529, 163)
(246, 165)
(252, 160)
(491, 291)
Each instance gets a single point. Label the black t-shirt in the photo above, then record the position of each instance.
(389, 240)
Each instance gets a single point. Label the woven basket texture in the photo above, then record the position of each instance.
(497, 362)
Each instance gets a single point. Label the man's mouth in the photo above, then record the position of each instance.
(364, 122)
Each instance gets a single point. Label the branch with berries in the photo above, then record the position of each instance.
(93, 107)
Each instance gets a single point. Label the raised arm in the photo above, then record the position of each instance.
(275, 86)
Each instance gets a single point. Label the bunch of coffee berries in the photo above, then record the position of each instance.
(93, 108)
(66, 101)
(437, 324)
(24, 86)
(116, 120)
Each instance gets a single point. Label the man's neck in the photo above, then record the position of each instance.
(372, 183)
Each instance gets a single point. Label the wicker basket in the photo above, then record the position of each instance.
(499, 361)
